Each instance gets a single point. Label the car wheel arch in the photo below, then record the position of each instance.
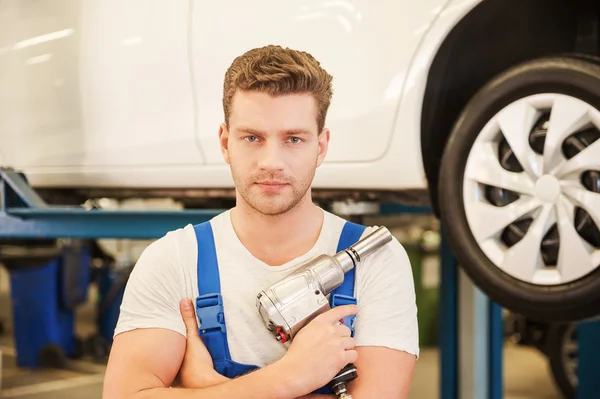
(541, 27)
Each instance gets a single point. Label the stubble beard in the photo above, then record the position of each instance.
(273, 204)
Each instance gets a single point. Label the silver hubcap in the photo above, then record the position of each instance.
(547, 189)
(532, 189)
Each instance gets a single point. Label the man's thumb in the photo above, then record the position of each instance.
(189, 316)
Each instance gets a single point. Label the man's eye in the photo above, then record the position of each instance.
(251, 138)
(295, 139)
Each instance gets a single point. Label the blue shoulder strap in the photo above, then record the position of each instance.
(344, 294)
(209, 304)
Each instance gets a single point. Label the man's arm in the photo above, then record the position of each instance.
(322, 349)
(149, 343)
(382, 373)
(197, 369)
(386, 329)
(143, 364)
(376, 366)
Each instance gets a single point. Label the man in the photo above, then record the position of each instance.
(273, 137)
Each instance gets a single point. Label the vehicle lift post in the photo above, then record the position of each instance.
(471, 335)
(588, 358)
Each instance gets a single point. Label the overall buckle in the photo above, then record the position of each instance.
(209, 308)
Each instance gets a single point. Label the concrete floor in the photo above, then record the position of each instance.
(526, 373)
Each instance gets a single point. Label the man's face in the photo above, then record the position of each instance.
(273, 148)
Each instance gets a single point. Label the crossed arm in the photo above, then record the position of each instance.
(145, 363)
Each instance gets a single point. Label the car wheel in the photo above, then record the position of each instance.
(562, 350)
(520, 189)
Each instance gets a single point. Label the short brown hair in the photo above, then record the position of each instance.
(278, 71)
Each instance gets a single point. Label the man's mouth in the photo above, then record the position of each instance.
(271, 183)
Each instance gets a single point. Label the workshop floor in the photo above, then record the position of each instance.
(526, 373)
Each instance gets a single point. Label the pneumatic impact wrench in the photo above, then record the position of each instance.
(292, 302)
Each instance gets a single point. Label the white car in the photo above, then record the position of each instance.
(488, 110)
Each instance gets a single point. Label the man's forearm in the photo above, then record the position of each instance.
(211, 379)
(264, 383)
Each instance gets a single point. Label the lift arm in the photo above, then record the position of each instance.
(24, 214)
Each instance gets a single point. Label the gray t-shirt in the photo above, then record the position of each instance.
(166, 272)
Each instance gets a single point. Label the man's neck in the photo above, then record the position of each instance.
(275, 240)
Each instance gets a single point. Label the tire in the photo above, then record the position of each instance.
(567, 293)
(562, 354)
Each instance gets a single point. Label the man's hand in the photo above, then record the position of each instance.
(320, 350)
(197, 370)
(195, 373)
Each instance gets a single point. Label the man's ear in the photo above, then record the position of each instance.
(224, 141)
(323, 145)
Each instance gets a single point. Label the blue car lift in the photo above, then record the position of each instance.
(470, 328)
(43, 311)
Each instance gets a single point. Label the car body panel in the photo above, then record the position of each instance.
(139, 103)
(365, 45)
(136, 91)
(96, 84)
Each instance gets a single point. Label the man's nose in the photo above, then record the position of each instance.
(272, 157)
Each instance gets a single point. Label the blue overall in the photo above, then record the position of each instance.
(209, 304)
